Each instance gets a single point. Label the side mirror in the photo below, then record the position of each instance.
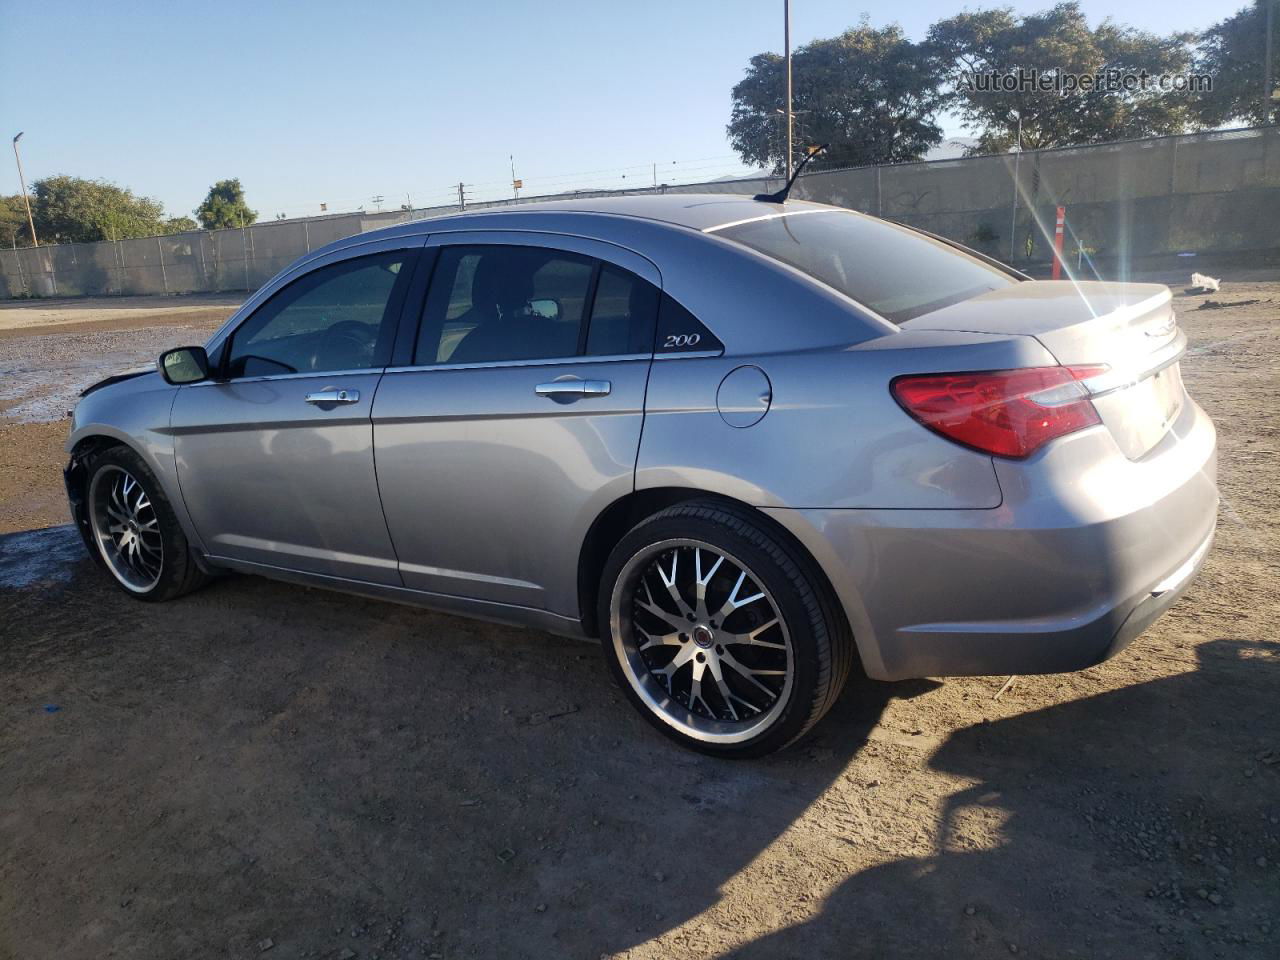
(547, 309)
(184, 365)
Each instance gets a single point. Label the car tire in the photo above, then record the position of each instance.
(133, 531)
(699, 583)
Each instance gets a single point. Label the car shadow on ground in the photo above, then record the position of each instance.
(1110, 843)
(264, 762)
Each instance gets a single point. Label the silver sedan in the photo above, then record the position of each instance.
(750, 445)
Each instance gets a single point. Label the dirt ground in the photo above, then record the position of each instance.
(261, 769)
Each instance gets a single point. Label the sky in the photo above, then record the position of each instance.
(338, 103)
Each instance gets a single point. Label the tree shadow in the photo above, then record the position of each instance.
(1140, 822)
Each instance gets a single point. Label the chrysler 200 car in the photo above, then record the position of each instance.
(748, 444)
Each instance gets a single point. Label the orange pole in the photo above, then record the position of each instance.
(1058, 231)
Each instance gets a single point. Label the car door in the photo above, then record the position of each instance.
(275, 455)
(513, 416)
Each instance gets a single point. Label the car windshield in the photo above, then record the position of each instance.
(897, 272)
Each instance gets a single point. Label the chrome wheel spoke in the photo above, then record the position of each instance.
(648, 604)
(717, 674)
(701, 581)
(661, 640)
(678, 661)
(752, 637)
(695, 691)
(670, 583)
(749, 674)
(735, 602)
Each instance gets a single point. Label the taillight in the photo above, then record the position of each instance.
(1009, 413)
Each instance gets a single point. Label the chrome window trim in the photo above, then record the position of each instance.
(689, 355)
(540, 362)
(303, 374)
(605, 251)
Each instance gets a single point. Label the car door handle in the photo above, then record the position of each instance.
(574, 388)
(334, 396)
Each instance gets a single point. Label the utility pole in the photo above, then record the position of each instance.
(25, 199)
(1268, 81)
(515, 184)
(1017, 160)
(786, 32)
(462, 196)
(377, 202)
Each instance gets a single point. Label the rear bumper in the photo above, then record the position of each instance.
(1074, 564)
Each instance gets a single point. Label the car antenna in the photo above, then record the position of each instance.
(781, 195)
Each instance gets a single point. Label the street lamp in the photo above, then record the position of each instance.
(786, 28)
(25, 199)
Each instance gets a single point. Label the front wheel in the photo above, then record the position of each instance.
(134, 530)
(720, 632)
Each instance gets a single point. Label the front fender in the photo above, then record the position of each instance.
(134, 413)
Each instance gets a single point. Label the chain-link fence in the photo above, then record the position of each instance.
(1201, 193)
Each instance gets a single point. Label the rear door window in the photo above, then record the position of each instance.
(623, 314)
(499, 303)
(489, 304)
(895, 271)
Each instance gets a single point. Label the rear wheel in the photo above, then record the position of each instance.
(134, 529)
(720, 632)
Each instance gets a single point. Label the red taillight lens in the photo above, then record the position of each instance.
(1009, 413)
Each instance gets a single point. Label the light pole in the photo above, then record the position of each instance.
(25, 199)
(1268, 84)
(786, 35)
(1017, 159)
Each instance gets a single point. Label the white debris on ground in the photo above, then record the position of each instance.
(35, 557)
(41, 376)
(1202, 283)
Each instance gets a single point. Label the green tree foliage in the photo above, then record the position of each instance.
(179, 225)
(13, 222)
(74, 210)
(872, 94)
(225, 207)
(1231, 52)
(1059, 40)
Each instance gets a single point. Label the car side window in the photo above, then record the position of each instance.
(489, 304)
(623, 314)
(334, 318)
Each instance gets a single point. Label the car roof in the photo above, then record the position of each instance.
(698, 211)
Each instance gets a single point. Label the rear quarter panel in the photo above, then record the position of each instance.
(833, 436)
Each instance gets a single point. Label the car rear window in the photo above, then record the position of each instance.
(896, 272)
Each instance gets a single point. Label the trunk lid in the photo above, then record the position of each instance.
(1128, 326)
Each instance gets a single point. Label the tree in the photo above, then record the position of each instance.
(74, 210)
(872, 94)
(225, 207)
(13, 222)
(1231, 52)
(1055, 43)
(179, 225)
